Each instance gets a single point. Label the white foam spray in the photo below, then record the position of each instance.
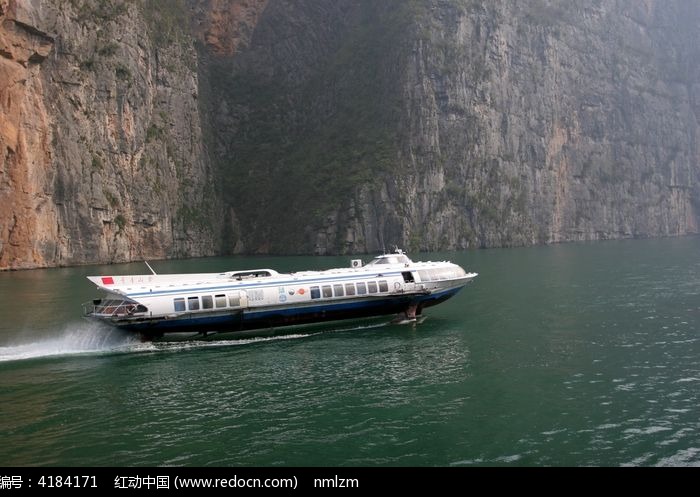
(74, 338)
(91, 337)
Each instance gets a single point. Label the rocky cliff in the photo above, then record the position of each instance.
(27, 216)
(446, 124)
(144, 129)
(103, 158)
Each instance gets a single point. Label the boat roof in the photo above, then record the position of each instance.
(380, 265)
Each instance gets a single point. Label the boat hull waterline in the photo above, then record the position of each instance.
(155, 305)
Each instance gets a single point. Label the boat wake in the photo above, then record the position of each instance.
(75, 338)
(90, 338)
(180, 345)
(212, 341)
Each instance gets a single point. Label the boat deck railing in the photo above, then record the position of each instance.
(109, 308)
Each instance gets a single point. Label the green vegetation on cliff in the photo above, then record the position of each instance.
(305, 138)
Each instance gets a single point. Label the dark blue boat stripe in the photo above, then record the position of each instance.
(259, 315)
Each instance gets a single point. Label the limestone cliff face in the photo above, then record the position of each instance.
(225, 26)
(552, 122)
(134, 129)
(103, 157)
(27, 215)
(446, 124)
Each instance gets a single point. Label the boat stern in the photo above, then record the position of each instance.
(113, 307)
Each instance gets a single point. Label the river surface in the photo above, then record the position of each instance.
(564, 355)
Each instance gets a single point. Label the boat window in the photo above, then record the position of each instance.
(220, 300)
(389, 259)
(315, 292)
(383, 286)
(256, 273)
(234, 300)
(384, 259)
(444, 273)
(407, 277)
(338, 290)
(361, 288)
(193, 303)
(207, 302)
(327, 292)
(350, 288)
(372, 287)
(179, 304)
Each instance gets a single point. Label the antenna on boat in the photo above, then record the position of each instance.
(149, 266)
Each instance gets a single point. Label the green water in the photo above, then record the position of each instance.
(581, 354)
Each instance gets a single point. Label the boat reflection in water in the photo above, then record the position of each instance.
(210, 304)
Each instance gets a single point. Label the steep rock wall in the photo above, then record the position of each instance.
(108, 163)
(557, 122)
(28, 218)
(134, 129)
(446, 124)
(225, 26)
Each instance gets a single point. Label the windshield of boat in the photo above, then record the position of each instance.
(389, 259)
